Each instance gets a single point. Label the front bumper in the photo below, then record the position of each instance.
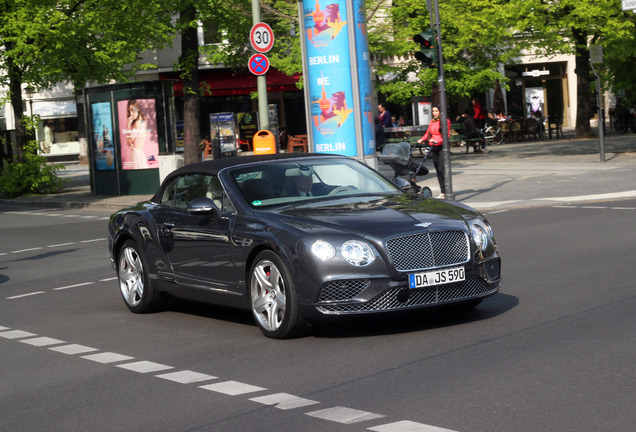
(361, 296)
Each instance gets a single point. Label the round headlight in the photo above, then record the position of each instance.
(489, 229)
(323, 250)
(357, 253)
(480, 237)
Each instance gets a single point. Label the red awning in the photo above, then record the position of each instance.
(224, 82)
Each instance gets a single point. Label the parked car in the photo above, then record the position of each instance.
(237, 232)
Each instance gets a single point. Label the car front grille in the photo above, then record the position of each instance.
(404, 298)
(427, 250)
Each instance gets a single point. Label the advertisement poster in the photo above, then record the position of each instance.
(102, 127)
(329, 76)
(138, 134)
(424, 113)
(364, 77)
(247, 125)
(534, 102)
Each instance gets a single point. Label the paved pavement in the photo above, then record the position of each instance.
(518, 174)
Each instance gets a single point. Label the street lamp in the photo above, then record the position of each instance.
(29, 94)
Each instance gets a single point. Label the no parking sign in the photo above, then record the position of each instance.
(258, 64)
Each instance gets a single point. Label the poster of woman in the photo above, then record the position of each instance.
(138, 133)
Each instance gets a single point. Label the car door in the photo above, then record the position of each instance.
(198, 246)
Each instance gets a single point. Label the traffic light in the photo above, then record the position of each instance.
(427, 53)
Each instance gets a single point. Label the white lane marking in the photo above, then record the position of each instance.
(26, 250)
(107, 357)
(42, 341)
(61, 244)
(232, 388)
(52, 246)
(16, 334)
(565, 206)
(73, 349)
(145, 367)
(593, 197)
(25, 295)
(186, 377)
(108, 279)
(623, 208)
(284, 401)
(73, 286)
(344, 415)
(407, 426)
(593, 207)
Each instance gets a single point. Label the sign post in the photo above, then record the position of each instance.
(262, 40)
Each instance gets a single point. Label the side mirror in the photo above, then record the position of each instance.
(402, 183)
(203, 206)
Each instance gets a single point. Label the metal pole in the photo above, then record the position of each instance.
(261, 80)
(601, 118)
(448, 182)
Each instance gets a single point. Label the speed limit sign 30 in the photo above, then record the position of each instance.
(262, 37)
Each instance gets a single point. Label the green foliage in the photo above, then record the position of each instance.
(32, 176)
(475, 42)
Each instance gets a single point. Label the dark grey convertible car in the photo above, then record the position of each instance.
(297, 238)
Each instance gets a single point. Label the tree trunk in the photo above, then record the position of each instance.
(15, 92)
(189, 66)
(582, 71)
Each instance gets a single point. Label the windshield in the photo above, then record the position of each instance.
(284, 182)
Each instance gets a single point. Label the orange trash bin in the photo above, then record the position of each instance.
(264, 142)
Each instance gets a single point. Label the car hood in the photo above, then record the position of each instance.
(379, 216)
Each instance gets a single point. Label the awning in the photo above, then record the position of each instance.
(224, 82)
(54, 109)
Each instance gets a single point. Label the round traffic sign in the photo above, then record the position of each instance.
(258, 64)
(262, 37)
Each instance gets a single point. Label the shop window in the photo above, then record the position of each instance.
(60, 135)
(209, 33)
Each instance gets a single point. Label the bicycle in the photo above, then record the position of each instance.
(493, 134)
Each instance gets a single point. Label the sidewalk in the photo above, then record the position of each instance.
(519, 174)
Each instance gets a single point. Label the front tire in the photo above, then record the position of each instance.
(273, 297)
(134, 283)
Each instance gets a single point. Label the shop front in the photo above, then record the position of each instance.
(224, 90)
(539, 90)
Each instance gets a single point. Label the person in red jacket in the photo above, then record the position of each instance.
(434, 137)
(479, 114)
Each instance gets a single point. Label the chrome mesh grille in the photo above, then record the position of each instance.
(428, 250)
(342, 290)
(388, 300)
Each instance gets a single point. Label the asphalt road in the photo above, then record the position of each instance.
(553, 351)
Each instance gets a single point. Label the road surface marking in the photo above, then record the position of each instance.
(344, 415)
(284, 401)
(186, 377)
(232, 388)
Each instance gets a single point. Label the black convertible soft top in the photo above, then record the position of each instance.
(214, 166)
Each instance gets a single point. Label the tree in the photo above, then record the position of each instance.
(475, 38)
(76, 41)
(570, 27)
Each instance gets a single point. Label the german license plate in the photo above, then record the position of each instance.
(437, 277)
